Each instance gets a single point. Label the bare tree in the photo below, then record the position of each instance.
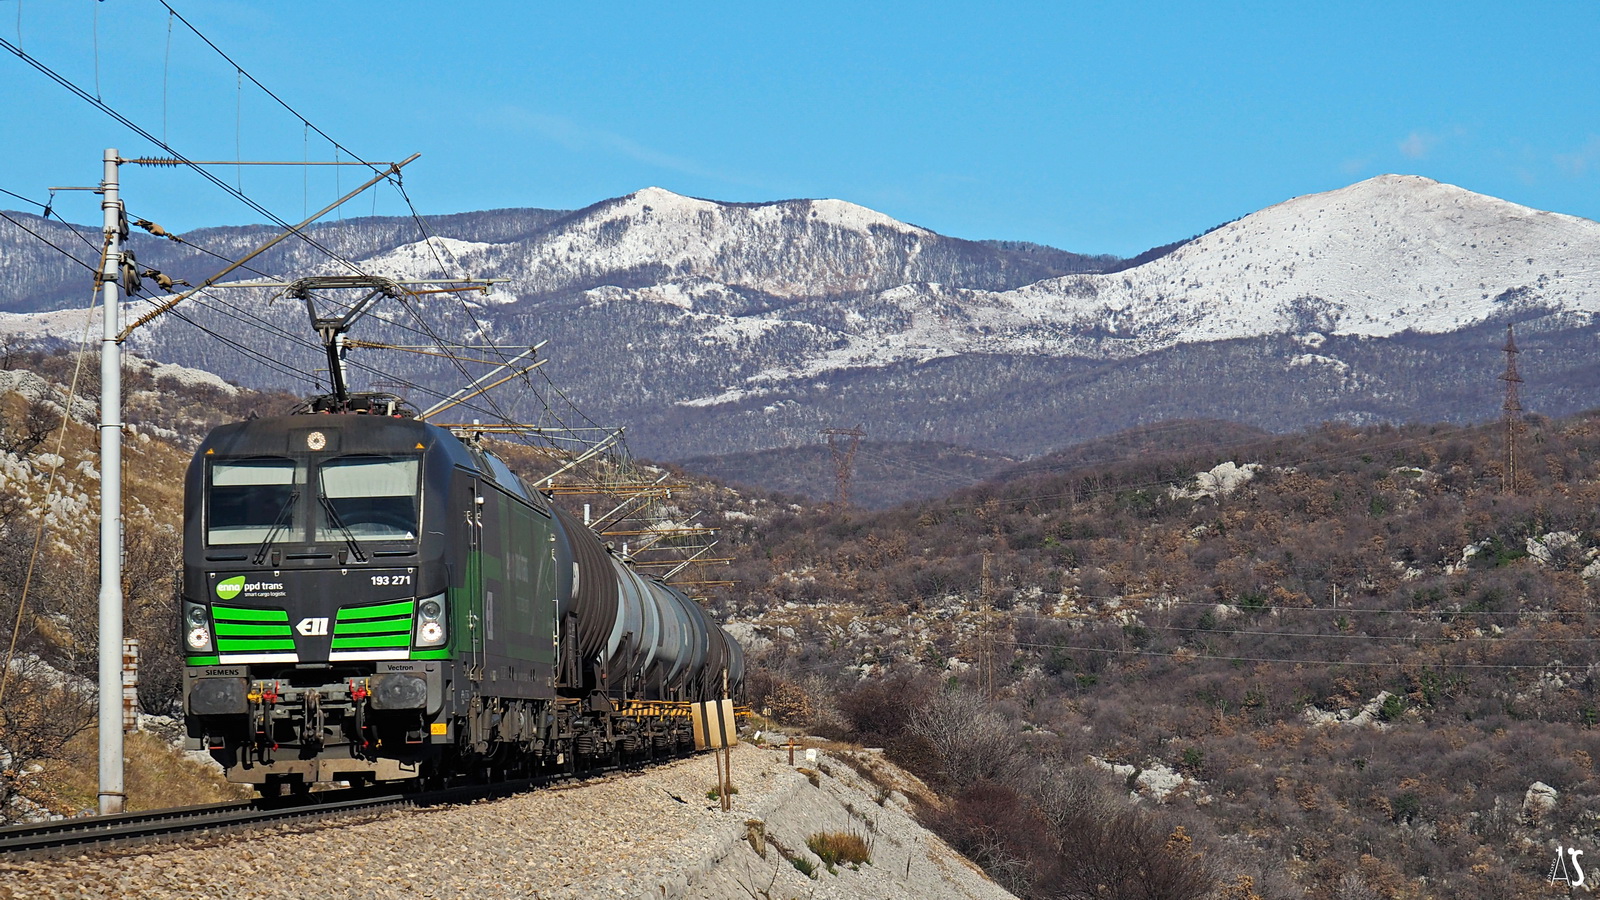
(1128, 857)
(151, 559)
(41, 710)
(1065, 794)
(24, 430)
(1353, 887)
(972, 739)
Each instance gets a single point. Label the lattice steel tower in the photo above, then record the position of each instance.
(1511, 411)
(844, 457)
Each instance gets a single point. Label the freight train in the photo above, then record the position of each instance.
(369, 597)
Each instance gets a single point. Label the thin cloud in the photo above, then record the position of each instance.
(1355, 166)
(1582, 161)
(577, 137)
(1418, 144)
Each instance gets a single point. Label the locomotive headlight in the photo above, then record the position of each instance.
(197, 626)
(430, 622)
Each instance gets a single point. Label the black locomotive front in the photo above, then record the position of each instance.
(330, 563)
(369, 597)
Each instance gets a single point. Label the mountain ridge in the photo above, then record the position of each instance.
(716, 328)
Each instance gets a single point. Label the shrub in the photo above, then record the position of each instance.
(1001, 830)
(972, 740)
(1192, 760)
(1130, 856)
(1406, 806)
(877, 712)
(1394, 706)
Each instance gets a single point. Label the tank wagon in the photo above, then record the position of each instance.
(369, 597)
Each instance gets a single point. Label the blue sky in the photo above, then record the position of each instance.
(1091, 127)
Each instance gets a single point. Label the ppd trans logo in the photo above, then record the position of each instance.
(1566, 869)
(229, 588)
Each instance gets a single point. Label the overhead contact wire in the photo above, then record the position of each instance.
(180, 158)
(265, 90)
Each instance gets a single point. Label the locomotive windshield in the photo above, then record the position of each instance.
(248, 496)
(368, 497)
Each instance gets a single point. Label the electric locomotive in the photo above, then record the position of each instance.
(369, 597)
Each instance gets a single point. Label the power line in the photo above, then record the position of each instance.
(248, 351)
(43, 206)
(237, 191)
(49, 243)
(264, 359)
(242, 73)
(176, 157)
(185, 241)
(1341, 610)
(1190, 655)
(180, 159)
(429, 241)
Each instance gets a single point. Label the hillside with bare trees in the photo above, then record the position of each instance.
(1192, 660)
(1349, 663)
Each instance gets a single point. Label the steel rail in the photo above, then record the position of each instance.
(68, 836)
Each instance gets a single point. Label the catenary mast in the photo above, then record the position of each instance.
(112, 792)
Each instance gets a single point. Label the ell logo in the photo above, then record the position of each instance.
(1565, 869)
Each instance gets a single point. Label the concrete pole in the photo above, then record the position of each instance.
(112, 793)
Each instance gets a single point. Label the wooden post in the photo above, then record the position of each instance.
(722, 783)
(727, 749)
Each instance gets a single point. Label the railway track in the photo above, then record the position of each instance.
(91, 833)
(70, 836)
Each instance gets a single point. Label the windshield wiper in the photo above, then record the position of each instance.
(277, 526)
(349, 537)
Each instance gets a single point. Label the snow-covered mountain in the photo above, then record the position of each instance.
(1389, 255)
(767, 253)
(717, 327)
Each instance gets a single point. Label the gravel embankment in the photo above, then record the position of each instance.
(652, 834)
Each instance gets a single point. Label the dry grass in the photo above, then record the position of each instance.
(835, 847)
(157, 777)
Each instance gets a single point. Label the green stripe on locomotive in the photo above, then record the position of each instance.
(246, 630)
(246, 614)
(378, 626)
(399, 608)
